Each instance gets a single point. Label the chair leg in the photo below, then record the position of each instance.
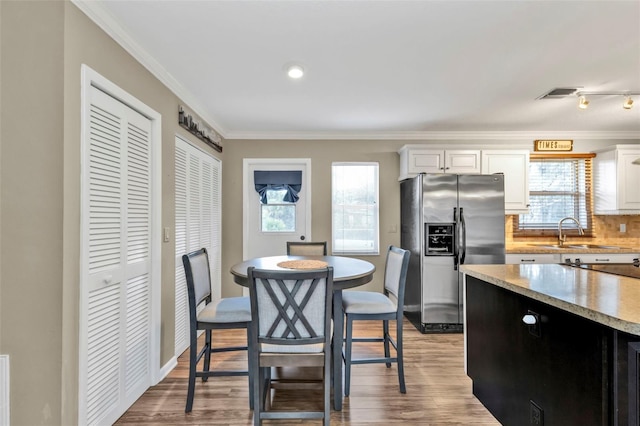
(327, 390)
(258, 405)
(250, 367)
(207, 353)
(347, 355)
(193, 354)
(385, 334)
(399, 354)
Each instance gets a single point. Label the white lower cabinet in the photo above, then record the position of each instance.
(598, 257)
(564, 257)
(540, 258)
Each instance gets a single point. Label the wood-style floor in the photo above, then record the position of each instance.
(438, 390)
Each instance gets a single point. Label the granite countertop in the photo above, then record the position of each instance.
(542, 248)
(611, 300)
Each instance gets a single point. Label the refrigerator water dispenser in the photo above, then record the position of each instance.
(439, 239)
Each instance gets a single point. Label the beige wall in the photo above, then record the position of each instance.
(42, 46)
(322, 154)
(31, 195)
(86, 43)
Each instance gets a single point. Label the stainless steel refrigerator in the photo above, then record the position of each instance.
(446, 221)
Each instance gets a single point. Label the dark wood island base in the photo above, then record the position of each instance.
(554, 367)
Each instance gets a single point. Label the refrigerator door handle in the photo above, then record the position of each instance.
(456, 233)
(463, 237)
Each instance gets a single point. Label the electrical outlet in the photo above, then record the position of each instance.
(623, 227)
(537, 415)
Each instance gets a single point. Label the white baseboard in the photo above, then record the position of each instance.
(166, 369)
(5, 419)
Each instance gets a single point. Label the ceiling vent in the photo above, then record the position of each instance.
(560, 93)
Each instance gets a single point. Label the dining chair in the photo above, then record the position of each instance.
(225, 313)
(386, 306)
(291, 327)
(307, 248)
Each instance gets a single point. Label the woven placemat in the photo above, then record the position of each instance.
(303, 264)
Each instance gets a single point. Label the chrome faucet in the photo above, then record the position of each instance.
(563, 238)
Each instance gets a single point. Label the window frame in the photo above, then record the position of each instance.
(588, 226)
(375, 209)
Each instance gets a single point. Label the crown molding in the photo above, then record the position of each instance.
(112, 27)
(452, 135)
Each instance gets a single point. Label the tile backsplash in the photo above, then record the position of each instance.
(606, 231)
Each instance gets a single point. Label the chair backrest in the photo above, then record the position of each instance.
(291, 307)
(395, 275)
(196, 269)
(307, 248)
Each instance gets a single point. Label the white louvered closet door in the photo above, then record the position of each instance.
(198, 207)
(116, 231)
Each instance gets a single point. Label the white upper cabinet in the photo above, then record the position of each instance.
(462, 161)
(416, 159)
(617, 180)
(514, 164)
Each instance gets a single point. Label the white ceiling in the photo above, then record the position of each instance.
(389, 69)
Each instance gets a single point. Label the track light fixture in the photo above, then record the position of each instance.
(583, 101)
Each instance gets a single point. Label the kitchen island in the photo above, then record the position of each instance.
(553, 344)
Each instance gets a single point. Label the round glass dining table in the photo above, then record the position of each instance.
(348, 272)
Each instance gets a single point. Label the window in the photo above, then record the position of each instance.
(559, 187)
(278, 215)
(355, 208)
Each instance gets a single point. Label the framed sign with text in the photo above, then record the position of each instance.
(553, 145)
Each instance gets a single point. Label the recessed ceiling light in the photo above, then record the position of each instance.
(295, 71)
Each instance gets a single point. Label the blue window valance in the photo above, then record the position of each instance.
(291, 181)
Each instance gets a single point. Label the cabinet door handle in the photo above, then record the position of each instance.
(527, 260)
(603, 260)
(529, 319)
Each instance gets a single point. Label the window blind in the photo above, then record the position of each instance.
(269, 180)
(355, 213)
(559, 187)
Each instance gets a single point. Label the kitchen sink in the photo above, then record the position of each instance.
(593, 246)
(578, 246)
